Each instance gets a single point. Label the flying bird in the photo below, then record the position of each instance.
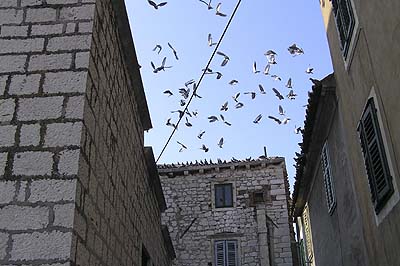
(195, 113)
(184, 92)
(295, 50)
(210, 42)
(233, 82)
(255, 71)
(162, 67)
(174, 51)
(221, 142)
(286, 120)
(170, 124)
(225, 122)
(224, 107)
(168, 92)
(212, 118)
(156, 6)
(252, 93)
(187, 83)
(188, 124)
(270, 52)
(275, 119)
(289, 83)
(181, 113)
(218, 12)
(182, 102)
(281, 111)
(226, 58)
(235, 98)
(157, 47)
(276, 77)
(209, 7)
(291, 95)
(219, 75)
(266, 69)
(257, 119)
(200, 135)
(204, 148)
(183, 147)
(310, 70)
(298, 130)
(278, 94)
(239, 105)
(262, 91)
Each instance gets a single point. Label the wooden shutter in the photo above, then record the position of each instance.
(380, 181)
(328, 179)
(231, 257)
(219, 248)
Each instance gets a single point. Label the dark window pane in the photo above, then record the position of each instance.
(219, 196)
(223, 195)
(228, 195)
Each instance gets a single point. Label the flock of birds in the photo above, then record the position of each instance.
(190, 87)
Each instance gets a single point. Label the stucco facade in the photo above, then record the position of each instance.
(257, 220)
(73, 166)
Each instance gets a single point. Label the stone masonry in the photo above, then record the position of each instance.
(75, 179)
(258, 220)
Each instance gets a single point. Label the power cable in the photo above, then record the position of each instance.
(201, 78)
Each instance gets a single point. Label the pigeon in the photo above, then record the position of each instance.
(275, 119)
(187, 83)
(235, 98)
(168, 92)
(239, 105)
(298, 130)
(253, 94)
(272, 60)
(295, 50)
(158, 47)
(281, 111)
(233, 82)
(218, 12)
(316, 82)
(224, 107)
(286, 120)
(212, 118)
(200, 135)
(257, 119)
(210, 42)
(270, 52)
(182, 102)
(181, 113)
(183, 147)
(188, 124)
(155, 70)
(291, 95)
(195, 113)
(204, 148)
(207, 71)
(156, 6)
(162, 67)
(174, 51)
(289, 83)
(219, 75)
(225, 122)
(221, 143)
(278, 94)
(170, 124)
(255, 71)
(207, 4)
(262, 91)
(188, 113)
(266, 69)
(184, 92)
(310, 70)
(276, 77)
(226, 58)
(234, 160)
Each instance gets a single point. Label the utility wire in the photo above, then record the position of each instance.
(201, 78)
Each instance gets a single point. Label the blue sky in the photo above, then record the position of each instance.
(257, 27)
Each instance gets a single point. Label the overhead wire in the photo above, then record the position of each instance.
(197, 85)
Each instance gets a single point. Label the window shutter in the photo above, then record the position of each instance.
(231, 253)
(328, 178)
(219, 253)
(380, 181)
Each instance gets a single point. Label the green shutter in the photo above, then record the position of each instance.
(379, 179)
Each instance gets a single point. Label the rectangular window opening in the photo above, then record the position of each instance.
(223, 195)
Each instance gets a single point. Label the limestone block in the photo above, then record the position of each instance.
(24, 84)
(11, 16)
(50, 62)
(46, 29)
(40, 108)
(64, 215)
(63, 134)
(75, 107)
(7, 191)
(7, 108)
(23, 217)
(33, 163)
(82, 60)
(41, 15)
(21, 46)
(31, 3)
(77, 13)
(8, 3)
(3, 83)
(69, 43)
(30, 135)
(52, 190)
(44, 246)
(7, 135)
(65, 82)
(11, 63)
(69, 162)
(14, 31)
(3, 245)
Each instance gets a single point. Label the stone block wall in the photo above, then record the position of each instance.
(262, 229)
(74, 184)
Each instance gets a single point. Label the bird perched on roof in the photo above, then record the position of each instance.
(156, 6)
(316, 82)
(174, 51)
(226, 58)
(218, 12)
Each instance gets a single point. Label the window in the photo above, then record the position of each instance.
(345, 23)
(223, 195)
(328, 180)
(226, 253)
(379, 179)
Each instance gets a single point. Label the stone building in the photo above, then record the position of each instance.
(346, 196)
(229, 213)
(77, 185)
